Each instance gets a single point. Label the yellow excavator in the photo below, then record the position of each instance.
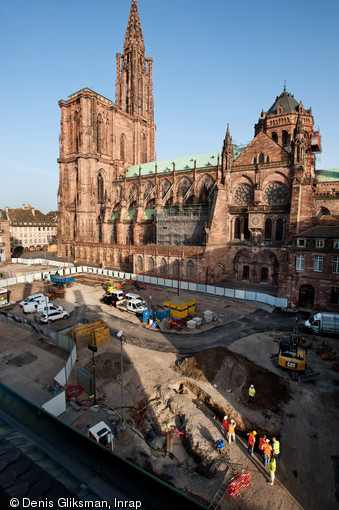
(292, 357)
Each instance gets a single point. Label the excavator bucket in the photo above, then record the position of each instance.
(308, 375)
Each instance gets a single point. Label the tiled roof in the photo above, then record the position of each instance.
(330, 175)
(288, 103)
(321, 231)
(181, 163)
(21, 477)
(52, 216)
(25, 215)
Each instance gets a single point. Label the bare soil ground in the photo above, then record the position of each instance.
(189, 395)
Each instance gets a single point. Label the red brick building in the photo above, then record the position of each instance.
(232, 214)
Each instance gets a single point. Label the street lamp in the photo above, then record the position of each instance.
(93, 348)
(122, 339)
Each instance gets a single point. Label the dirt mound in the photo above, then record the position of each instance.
(108, 365)
(230, 371)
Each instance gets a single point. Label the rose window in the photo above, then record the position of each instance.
(275, 193)
(244, 194)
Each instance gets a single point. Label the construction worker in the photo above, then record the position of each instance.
(272, 469)
(267, 452)
(262, 441)
(251, 394)
(251, 441)
(225, 424)
(231, 431)
(275, 448)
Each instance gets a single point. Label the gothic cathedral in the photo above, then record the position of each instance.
(256, 214)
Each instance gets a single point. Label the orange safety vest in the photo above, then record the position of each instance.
(261, 443)
(267, 449)
(251, 439)
(231, 428)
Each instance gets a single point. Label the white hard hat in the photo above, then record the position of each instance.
(225, 417)
(267, 440)
(252, 386)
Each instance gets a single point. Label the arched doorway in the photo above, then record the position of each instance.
(246, 273)
(306, 296)
(264, 275)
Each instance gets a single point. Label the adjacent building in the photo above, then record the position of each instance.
(5, 246)
(231, 214)
(30, 229)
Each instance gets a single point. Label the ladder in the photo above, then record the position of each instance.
(231, 470)
(221, 492)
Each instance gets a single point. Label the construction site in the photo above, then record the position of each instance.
(171, 390)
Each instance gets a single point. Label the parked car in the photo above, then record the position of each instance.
(54, 315)
(39, 297)
(109, 299)
(35, 306)
(117, 293)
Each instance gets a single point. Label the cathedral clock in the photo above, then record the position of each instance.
(255, 221)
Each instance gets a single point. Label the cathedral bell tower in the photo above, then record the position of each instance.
(134, 72)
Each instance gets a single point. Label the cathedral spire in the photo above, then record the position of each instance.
(227, 151)
(134, 35)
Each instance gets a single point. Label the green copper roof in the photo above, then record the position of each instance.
(327, 175)
(181, 164)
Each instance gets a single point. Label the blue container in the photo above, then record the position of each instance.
(160, 314)
(145, 315)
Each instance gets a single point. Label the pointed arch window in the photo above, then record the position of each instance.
(99, 134)
(143, 149)
(279, 230)
(122, 147)
(100, 186)
(140, 264)
(237, 228)
(285, 138)
(141, 98)
(275, 137)
(268, 229)
(176, 267)
(114, 235)
(261, 158)
(247, 233)
(190, 269)
(163, 266)
(151, 265)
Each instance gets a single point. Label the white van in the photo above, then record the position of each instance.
(34, 306)
(38, 298)
(131, 296)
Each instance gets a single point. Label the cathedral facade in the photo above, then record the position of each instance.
(234, 214)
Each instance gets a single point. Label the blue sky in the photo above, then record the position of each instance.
(215, 63)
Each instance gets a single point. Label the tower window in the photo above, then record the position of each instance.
(268, 229)
(279, 229)
(237, 228)
(285, 138)
(100, 188)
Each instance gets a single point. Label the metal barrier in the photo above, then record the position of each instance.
(242, 295)
(239, 483)
(57, 404)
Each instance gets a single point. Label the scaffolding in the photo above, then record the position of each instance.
(182, 226)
